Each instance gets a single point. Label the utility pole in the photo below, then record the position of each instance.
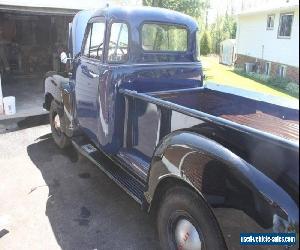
(206, 19)
(207, 6)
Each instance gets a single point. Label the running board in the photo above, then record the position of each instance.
(125, 180)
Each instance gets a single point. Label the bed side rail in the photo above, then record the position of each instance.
(205, 117)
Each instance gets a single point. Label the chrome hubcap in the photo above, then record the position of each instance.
(186, 236)
(57, 122)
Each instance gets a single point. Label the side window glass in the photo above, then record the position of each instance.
(118, 43)
(97, 39)
(87, 44)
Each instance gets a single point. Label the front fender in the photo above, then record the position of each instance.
(54, 83)
(222, 178)
(61, 90)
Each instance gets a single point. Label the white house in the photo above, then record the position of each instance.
(269, 37)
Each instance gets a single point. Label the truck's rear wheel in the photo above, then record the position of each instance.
(185, 222)
(57, 123)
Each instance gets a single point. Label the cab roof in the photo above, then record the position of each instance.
(138, 15)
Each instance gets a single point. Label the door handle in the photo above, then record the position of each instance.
(104, 72)
(93, 75)
(88, 72)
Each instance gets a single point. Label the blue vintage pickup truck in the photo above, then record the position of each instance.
(133, 102)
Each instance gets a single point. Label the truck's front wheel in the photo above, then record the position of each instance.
(57, 123)
(186, 222)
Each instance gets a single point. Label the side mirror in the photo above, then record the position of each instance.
(64, 58)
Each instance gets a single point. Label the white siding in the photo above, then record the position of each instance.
(253, 39)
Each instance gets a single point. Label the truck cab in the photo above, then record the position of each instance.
(136, 49)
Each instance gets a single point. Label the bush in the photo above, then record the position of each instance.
(205, 44)
(259, 77)
(252, 75)
(293, 88)
(283, 84)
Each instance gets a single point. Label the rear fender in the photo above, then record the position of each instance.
(222, 178)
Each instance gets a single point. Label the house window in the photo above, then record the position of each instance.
(270, 22)
(285, 25)
(268, 68)
(282, 71)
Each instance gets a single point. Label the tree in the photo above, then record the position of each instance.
(223, 28)
(230, 26)
(194, 8)
(205, 44)
(217, 34)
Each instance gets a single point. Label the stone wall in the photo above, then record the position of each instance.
(292, 73)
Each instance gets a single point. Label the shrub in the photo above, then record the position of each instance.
(259, 77)
(205, 44)
(283, 84)
(293, 88)
(252, 75)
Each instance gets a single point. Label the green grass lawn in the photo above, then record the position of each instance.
(224, 75)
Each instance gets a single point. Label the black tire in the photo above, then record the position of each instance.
(57, 132)
(181, 204)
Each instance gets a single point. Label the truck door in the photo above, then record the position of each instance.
(88, 76)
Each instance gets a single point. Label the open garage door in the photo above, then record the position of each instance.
(30, 43)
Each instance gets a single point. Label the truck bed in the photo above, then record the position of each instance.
(270, 118)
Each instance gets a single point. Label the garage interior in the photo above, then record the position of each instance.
(30, 44)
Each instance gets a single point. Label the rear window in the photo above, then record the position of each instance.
(164, 37)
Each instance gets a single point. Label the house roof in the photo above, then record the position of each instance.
(268, 9)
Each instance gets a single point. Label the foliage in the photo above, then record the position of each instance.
(293, 88)
(258, 77)
(230, 26)
(194, 8)
(205, 44)
(223, 28)
(282, 84)
(224, 75)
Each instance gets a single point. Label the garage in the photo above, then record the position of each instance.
(31, 39)
(32, 35)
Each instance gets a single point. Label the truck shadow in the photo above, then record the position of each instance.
(85, 208)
